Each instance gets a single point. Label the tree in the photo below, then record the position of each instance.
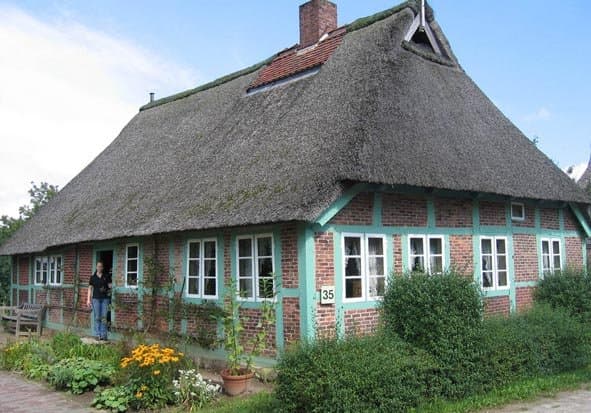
(40, 195)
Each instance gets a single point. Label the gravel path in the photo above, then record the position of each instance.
(578, 401)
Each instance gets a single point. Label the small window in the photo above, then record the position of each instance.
(426, 254)
(256, 267)
(494, 270)
(48, 270)
(131, 266)
(364, 266)
(202, 269)
(551, 256)
(517, 211)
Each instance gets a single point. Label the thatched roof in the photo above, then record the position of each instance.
(379, 111)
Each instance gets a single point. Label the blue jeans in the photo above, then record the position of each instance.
(100, 307)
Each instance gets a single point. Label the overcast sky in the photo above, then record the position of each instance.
(72, 73)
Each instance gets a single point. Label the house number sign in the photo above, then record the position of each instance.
(327, 295)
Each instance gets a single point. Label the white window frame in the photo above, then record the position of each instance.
(518, 218)
(551, 254)
(201, 264)
(48, 275)
(495, 271)
(254, 257)
(137, 271)
(364, 256)
(426, 252)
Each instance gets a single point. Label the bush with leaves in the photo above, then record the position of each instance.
(442, 315)
(79, 375)
(114, 399)
(370, 374)
(570, 290)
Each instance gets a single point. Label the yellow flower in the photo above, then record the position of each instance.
(139, 395)
(144, 388)
(156, 372)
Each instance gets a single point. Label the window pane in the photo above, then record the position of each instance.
(435, 246)
(265, 287)
(194, 250)
(376, 266)
(132, 252)
(557, 262)
(209, 268)
(246, 288)
(486, 246)
(194, 268)
(377, 286)
(501, 246)
(418, 264)
(353, 267)
(436, 264)
(58, 277)
(487, 262)
(209, 286)
(375, 246)
(132, 279)
(501, 263)
(545, 262)
(245, 247)
(545, 247)
(487, 279)
(265, 267)
(209, 249)
(245, 268)
(556, 247)
(264, 247)
(416, 246)
(194, 286)
(517, 211)
(502, 278)
(352, 246)
(353, 288)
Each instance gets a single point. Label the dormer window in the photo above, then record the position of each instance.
(420, 33)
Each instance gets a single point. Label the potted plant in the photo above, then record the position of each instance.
(240, 354)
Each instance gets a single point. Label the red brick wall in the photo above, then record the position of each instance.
(23, 296)
(462, 253)
(570, 221)
(526, 257)
(497, 305)
(549, 218)
(453, 213)
(530, 218)
(397, 248)
(401, 211)
(69, 266)
(126, 316)
(23, 277)
(54, 311)
(357, 212)
(361, 322)
(492, 213)
(291, 320)
(574, 253)
(524, 298)
(325, 314)
(289, 256)
(250, 318)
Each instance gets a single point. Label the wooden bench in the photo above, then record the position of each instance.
(24, 320)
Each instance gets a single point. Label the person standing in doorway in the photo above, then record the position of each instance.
(99, 296)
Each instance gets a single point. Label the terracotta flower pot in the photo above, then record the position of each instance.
(236, 384)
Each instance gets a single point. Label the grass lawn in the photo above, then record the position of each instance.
(523, 390)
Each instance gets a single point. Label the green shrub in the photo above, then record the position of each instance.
(62, 342)
(569, 290)
(442, 315)
(114, 399)
(539, 342)
(371, 374)
(23, 356)
(79, 374)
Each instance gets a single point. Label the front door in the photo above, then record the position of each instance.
(106, 257)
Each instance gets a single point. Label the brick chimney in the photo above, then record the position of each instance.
(317, 17)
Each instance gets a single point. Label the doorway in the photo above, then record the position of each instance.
(106, 257)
